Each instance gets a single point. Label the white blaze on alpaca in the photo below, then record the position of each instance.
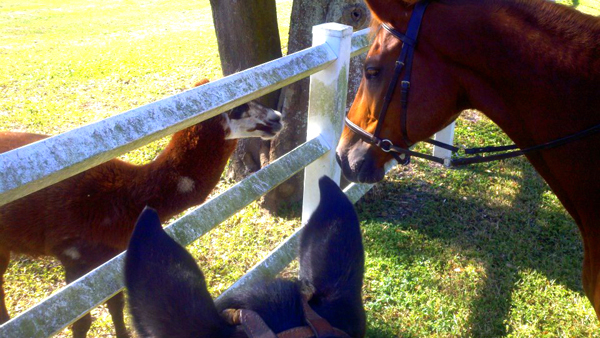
(185, 184)
(252, 120)
(72, 253)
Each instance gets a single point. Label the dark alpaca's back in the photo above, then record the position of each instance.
(168, 295)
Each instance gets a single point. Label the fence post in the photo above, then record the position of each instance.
(326, 109)
(445, 135)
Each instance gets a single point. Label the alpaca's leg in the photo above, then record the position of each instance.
(80, 258)
(72, 272)
(115, 307)
(4, 258)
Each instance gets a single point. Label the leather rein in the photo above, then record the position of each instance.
(402, 155)
(255, 327)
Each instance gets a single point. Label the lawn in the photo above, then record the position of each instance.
(485, 251)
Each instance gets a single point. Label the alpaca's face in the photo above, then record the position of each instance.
(252, 119)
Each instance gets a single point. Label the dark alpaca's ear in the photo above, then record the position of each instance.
(167, 291)
(201, 82)
(332, 260)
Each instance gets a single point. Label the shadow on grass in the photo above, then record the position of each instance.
(528, 233)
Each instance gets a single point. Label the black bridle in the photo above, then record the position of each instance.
(402, 155)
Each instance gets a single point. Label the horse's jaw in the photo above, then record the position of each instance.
(359, 163)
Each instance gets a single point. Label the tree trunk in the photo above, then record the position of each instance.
(247, 35)
(294, 99)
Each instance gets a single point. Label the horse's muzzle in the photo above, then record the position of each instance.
(359, 162)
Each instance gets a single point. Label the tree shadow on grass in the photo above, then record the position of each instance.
(525, 234)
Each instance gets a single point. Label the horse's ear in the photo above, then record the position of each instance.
(167, 291)
(332, 259)
(201, 82)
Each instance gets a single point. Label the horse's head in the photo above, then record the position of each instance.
(168, 295)
(434, 96)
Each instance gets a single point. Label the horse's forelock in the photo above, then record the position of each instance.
(374, 27)
(376, 22)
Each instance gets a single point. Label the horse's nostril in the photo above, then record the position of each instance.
(276, 126)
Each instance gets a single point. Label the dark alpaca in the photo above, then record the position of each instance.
(533, 67)
(87, 219)
(168, 295)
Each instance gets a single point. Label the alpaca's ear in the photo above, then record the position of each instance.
(332, 259)
(167, 291)
(201, 82)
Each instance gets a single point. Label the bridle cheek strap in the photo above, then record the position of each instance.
(404, 63)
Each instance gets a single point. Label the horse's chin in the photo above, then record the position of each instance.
(359, 166)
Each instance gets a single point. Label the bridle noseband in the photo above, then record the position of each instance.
(402, 155)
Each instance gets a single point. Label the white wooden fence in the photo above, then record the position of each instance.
(38, 165)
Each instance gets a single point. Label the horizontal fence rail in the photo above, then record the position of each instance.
(360, 42)
(142, 125)
(41, 164)
(287, 251)
(76, 299)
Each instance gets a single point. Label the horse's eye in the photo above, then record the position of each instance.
(371, 72)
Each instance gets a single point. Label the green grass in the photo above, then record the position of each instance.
(485, 251)
(587, 6)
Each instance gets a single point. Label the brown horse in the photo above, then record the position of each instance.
(531, 66)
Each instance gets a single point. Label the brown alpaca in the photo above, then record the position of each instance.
(87, 219)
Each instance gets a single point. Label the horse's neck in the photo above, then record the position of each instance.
(187, 170)
(529, 61)
(533, 68)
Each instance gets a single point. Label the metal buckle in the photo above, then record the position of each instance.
(389, 147)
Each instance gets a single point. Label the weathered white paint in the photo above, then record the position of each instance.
(445, 135)
(73, 301)
(360, 42)
(36, 166)
(326, 109)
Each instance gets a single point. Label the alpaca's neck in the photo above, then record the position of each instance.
(188, 169)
